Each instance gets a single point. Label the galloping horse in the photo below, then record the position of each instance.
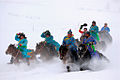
(85, 56)
(17, 55)
(67, 56)
(106, 37)
(46, 51)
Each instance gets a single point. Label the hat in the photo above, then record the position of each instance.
(22, 34)
(47, 32)
(94, 22)
(70, 32)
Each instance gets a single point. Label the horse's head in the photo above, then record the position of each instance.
(77, 42)
(39, 46)
(82, 48)
(11, 49)
(63, 50)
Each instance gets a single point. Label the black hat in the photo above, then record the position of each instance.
(94, 22)
(22, 34)
(47, 32)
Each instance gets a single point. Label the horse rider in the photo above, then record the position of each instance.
(90, 42)
(22, 45)
(83, 34)
(105, 28)
(94, 30)
(49, 40)
(69, 41)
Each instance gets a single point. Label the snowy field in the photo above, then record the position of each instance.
(35, 16)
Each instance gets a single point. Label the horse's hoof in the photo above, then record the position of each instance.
(81, 69)
(61, 58)
(68, 69)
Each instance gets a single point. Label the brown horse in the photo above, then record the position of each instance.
(46, 51)
(68, 56)
(64, 54)
(17, 55)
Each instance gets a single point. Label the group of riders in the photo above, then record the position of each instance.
(90, 38)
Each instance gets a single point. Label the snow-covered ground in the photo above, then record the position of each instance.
(35, 16)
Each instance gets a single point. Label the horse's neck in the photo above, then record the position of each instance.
(15, 50)
(68, 53)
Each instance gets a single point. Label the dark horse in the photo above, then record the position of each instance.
(83, 54)
(67, 56)
(85, 57)
(46, 51)
(17, 55)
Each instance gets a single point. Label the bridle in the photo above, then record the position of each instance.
(84, 51)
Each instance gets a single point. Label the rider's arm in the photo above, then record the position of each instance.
(64, 42)
(16, 38)
(81, 31)
(43, 35)
(102, 29)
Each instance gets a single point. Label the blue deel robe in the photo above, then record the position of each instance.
(23, 48)
(50, 40)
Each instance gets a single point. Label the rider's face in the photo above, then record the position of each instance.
(47, 35)
(85, 30)
(21, 37)
(69, 35)
(105, 25)
(93, 24)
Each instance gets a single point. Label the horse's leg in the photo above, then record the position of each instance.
(68, 68)
(11, 60)
(64, 61)
(28, 61)
(16, 60)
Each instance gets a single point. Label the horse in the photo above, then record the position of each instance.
(17, 55)
(101, 45)
(105, 40)
(67, 56)
(83, 54)
(106, 37)
(46, 51)
(85, 57)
